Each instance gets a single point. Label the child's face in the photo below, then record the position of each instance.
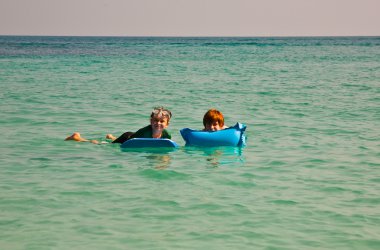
(159, 123)
(214, 126)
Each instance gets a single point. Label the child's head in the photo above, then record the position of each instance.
(213, 120)
(160, 118)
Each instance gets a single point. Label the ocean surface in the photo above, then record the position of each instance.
(308, 178)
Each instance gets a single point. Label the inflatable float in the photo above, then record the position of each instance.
(149, 143)
(232, 136)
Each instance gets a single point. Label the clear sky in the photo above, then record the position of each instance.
(190, 17)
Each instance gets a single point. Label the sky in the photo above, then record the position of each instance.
(190, 17)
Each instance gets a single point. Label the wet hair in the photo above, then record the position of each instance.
(213, 115)
(161, 111)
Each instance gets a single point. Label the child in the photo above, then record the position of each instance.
(213, 120)
(159, 121)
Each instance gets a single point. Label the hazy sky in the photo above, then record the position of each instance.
(190, 17)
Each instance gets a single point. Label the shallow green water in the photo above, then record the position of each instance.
(308, 178)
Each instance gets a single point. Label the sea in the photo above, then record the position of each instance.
(307, 178)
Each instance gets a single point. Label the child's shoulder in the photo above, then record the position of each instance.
(166, 134)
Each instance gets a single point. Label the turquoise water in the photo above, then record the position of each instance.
(309, 177)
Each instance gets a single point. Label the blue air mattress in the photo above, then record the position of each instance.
(232, 136)
(149, 143)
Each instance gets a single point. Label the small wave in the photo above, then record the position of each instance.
(164, 174)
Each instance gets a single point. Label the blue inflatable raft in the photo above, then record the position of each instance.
(149, 143)
(232, 136)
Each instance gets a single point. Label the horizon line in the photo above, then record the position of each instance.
(202, 36)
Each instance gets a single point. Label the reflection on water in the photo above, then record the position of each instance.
(160, 158)
(159, 161)
(217, 156)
